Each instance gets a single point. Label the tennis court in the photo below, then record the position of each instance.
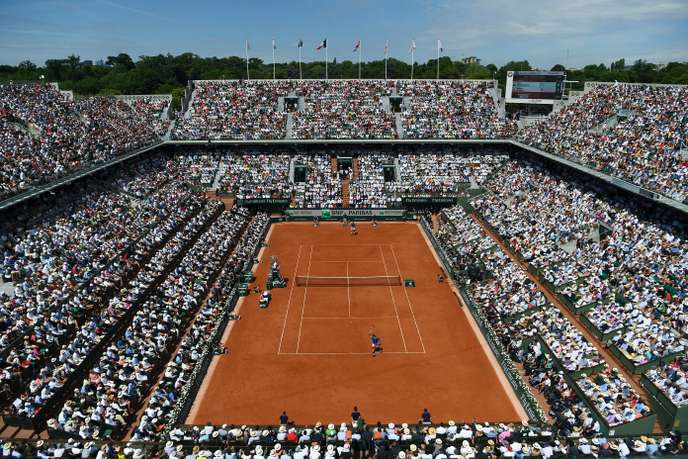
(309, 352)
(349, 292)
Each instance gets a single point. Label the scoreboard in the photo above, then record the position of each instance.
(534, 87)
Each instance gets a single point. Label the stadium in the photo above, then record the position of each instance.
(345, 267)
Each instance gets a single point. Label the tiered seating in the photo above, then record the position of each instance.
(244, 110)
(67, 264)
(635, 132)
(556, 226)
(256, 175)
(444, 172)
(200, 168)
(470, 440)
(522, 318)
(43, 135)
(118, 382)
(344, 109)
(181, 376)
(451, 110)
(151, 257)
(370, 189)
(322, 189)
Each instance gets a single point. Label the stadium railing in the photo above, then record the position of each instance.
(640, 426)
(639, 369)
(670, 415)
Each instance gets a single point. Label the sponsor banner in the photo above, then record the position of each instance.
(272, 202)
(426, 200)
(326, 214)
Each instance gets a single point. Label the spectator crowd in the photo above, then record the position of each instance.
(44, 134)
(637, 132)
(342, 109)
(357, 440)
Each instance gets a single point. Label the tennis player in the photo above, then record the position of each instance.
(354, 229)
(375, 343)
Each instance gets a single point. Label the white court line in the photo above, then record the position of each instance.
(352, 353)
(407, 298)
(348, 261)
(394, 301)
(292, 281)
(348, 288)
(348, 246)
(303, 306)
(345, 318)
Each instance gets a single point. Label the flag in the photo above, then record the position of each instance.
(439, 46)
(274, 45)
(386, 47)
(300, 45)
(322, 45)
(413, 45)
(247, 45)
(357, 45)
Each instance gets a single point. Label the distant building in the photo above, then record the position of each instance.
(471, 60)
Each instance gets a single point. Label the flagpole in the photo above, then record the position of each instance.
(273, 59)
(326, 60)
(438, 59)
(300, 73)
(412, 60)
(360, 45)
(248, 75)
(386, 53)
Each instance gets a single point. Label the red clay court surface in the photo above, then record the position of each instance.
(309, 352)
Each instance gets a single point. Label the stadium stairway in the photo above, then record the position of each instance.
(290, 126)
(168, 133)
(333, 163)
(399, 126)
(356, 168)
(345, 193)
(435, 218)
(221, 170)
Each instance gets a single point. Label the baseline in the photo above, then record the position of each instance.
(303, 305)
(291, 292)
(394, 301)
(408, 299)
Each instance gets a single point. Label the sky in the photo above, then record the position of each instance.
(544, 32)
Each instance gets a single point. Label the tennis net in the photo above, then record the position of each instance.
(346, 281)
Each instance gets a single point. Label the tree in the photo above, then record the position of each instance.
(558, 68)
(73, 61)
(55, 69)
(122, 60)
(618, 66)
(165, 73)
(26, 66)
